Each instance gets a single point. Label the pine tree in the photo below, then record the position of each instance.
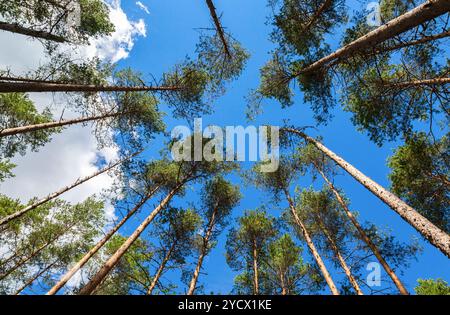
(177, 240)
(247, 243)
(219, 197)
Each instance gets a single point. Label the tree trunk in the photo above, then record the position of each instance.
(425, 12)
(29, 282)
(219, 27)
(284, 290)
(52, 196)
(423, 40)
(55, 124)
(433, 234)
(69, 274)
(341, 259)
(203, 251)
(364, 236)
(22, 87)
(114, 259)
(255, 270)
(16, 28)
(161, 269)
(311, 246)
(402, 85)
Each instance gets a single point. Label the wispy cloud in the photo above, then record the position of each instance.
(142, 7)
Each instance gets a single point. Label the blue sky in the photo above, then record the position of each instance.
(172, 33)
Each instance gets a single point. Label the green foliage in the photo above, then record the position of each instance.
(163, 173)
(192, 82)
(64, 69)
(379, 107)
(60, 19)
(55, 233)
(94, 19)
(17, 110)
(432, 287)
(300, 26)
(221, 68)
(141, 119)
(420, 175)
(276, 183)
(255, 229)
(220, 196)
(275, 79)
(321, 212)
(286, 268)
(397, 254)
(6, 170)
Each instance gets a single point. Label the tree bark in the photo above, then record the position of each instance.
(311, 246)
(69, 274)
(203, 251)
(52, 196)
(55, 124)
(424, 12)
(114, 259)
(22, 87)
(284, 290)
(219, 27)
(29, 282)
(16, 28)
(433, 234)
(423, 40)
(341, 259)
(364, 236)
(255, 270)
(435, 81)
(161, 269)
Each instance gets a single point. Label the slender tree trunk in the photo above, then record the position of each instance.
(341, 259)
(22, 87)
(255, 269)
(325, 5)
(55, 124)
(435, 81)
(311, 246)
(69, 274)
(203, 251)
(52, 196)
(433, 234)
(284, 290)
(161, 269)
(114, 259)
(425, 12)
(29, 80)
(16, 28)
(423, 40)
(219, 27)
(364, 236)
(29, 282)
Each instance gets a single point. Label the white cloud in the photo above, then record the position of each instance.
(118, 45)
(142, 7)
